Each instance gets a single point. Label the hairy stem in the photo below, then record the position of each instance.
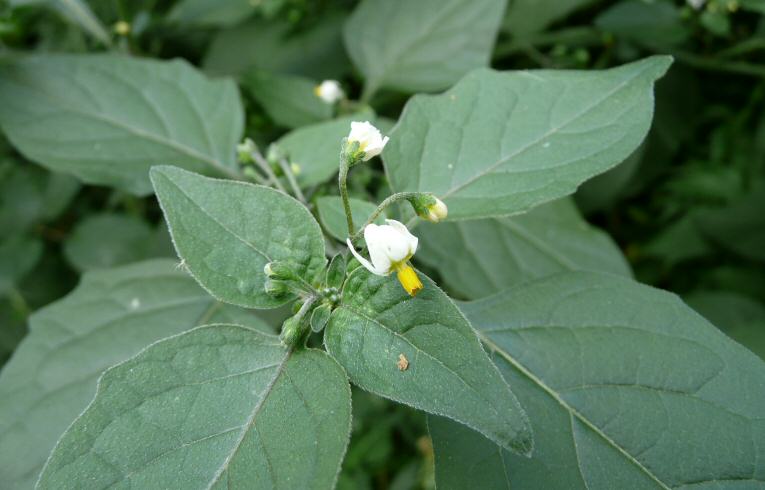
(292, 180)
(343, 185)
(394, 198)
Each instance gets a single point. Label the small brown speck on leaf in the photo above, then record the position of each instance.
(403, 363)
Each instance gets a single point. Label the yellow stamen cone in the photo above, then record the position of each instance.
(408, 279)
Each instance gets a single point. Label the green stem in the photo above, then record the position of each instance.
(266, 168)
(292, 180)
(394, 198)
(343, 185)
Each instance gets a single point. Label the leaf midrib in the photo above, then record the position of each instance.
(545, 135)
(216, 220)
(64, 106)
(250, 421)
(572, 412)
(429, 355)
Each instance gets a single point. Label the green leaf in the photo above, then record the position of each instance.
(448, 372)
(500, 143)
(289, 100)
(108, 240)
(649, 24)
(18, 256)
(107, 119)
(211, 13)
(315, 149)
(753, 5)
(481, 257)
(332, 214)
(420, 46)
(526, 17)
(625, 386)
(30, 195)
(76, 11)
(315, 51)
(107, 319)
(320, 317)
(226, 232)
(336, 272)
(740, 317)
(219, 406)
(12, 331)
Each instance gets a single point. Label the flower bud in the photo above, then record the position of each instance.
(122, 28)
(280, 270)
(437, 211)
(293, 331)
(276, 288)
(369, 140)
(245, 149)
(329, 91)
(429, 207)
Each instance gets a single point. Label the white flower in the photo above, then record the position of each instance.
(437, 211)
(329, 91)
(390, 248)
(696, 4)
(370, 141)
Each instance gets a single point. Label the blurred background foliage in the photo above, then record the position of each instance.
(687, 209)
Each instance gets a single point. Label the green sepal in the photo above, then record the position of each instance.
(320, 317)
(336, 272)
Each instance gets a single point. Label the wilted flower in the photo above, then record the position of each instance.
(390, 248)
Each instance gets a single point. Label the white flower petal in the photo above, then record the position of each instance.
(411, 240)
(361, 259)
(376, 241)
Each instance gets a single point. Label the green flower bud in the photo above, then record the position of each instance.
(293, 331)
(276, 288)
(280, 270)
(429, 207)
(245, 149)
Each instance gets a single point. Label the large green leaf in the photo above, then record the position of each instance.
(448, 371)
(481, 257)
(110, 239)
(18, 256)
(646, 23)
(332, 214)
(626, 387)
(421, 46)
(526, 17)
(500, 143)
(315, 149)
(111, 316)
(107, 119)
(30, 195)
(227, 231)
(77, 11)
(221, 406)
(315, 51)
(289, 100)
